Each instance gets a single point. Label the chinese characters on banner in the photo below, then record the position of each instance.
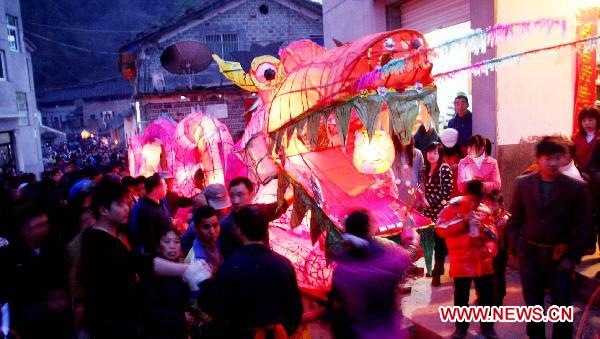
(585, 62)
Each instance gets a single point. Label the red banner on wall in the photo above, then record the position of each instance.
(585, 63)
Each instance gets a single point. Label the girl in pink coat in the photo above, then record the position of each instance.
(478, 164)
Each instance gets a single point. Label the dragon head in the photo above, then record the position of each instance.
(316, 101)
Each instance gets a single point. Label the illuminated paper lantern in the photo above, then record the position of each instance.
(375, 156)
(151, 158)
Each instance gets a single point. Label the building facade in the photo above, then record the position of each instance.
(20, 145)
(513, 106)
(226, 27)
(100, 108)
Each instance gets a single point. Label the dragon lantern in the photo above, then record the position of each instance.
(314, 106)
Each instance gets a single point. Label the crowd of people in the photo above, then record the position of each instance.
(98, 253)
(552, 221)
(83, 153)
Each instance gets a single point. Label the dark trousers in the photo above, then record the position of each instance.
(439, 256)
(499, 290)
(484, 287)
(538, 271)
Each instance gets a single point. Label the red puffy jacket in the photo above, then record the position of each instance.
(469, 256)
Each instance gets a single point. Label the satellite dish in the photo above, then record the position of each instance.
(186, 57)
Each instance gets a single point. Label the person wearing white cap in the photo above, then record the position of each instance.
(452, 155)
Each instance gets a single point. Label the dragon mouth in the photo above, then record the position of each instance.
(332, 126)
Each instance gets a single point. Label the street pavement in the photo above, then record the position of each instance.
(421, 306)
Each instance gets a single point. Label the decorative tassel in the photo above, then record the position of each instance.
(369, 80)
(486, 66)
(476, 42)
(395, 66)
(318, 223)
(368, 109)
(317, 192)
(312, 129)
(342, 120)
(403, 115)
(283, 182)
(289, 133)
(430, 102)
(300, 207)
(334, 235)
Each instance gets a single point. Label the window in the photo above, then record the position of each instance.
(392, 16)
(22, 102)
(30, 74)
(318, 39)
(222, 44)
(107, 115)
(12, 26)
(3, 75)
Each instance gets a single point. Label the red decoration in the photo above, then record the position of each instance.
(585, 63)
(129, 73)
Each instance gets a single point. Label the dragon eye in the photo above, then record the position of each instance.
(266, 72)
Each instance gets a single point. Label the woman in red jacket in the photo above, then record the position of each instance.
(587, 136)
(470, 234)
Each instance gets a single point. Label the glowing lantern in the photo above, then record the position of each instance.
(85, 134)
(151, 158)
(374, 157)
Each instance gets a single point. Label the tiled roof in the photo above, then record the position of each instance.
(117, 87)
(211, 5)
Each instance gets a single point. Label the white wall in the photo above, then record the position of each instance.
(27, 138)
(535, 97)
(348, 20)
(449, 88)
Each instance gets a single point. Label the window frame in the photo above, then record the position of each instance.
(227, 43)
(22, 95)
(15, 28)
(3, 68)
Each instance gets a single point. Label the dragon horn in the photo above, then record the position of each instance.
(235, 73)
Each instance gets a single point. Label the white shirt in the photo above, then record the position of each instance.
(479, 160)
(571, 171)
(589, 137)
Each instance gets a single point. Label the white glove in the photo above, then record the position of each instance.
(196, 273)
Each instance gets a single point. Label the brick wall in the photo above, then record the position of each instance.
(281, 24)
(154, 106)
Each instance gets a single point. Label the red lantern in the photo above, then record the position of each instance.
(129, 73)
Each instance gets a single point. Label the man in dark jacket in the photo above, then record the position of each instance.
(462, 121)
(149, 217)
(549, 230)
(32, 271)
(256, 288)
(592, 174)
